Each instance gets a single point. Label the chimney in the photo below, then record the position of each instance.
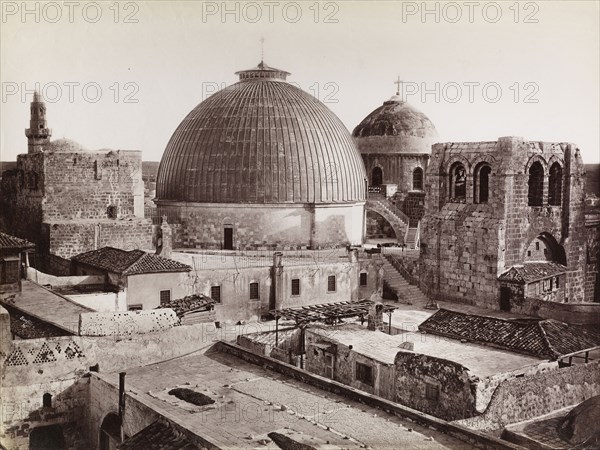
(122, 403)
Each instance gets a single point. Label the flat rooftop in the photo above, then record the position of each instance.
(478, 359)
(213, 260)
(251, 401)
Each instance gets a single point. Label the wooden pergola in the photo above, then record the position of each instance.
(329, 313)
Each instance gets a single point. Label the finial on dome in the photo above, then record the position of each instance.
(262, 50)
(398, 83)
(37, 97)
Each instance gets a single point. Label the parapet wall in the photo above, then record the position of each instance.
(126, 323)
(520, 399)
(45, 279)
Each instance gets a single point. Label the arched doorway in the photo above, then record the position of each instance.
(376, 176)
(110, 432)
(49, 437)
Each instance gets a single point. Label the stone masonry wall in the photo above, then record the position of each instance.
(466, 245)
(264, 226)
(67, 239)
(65, 186)
(524, 398)
(397, 168)
(84, 185)
(456, 397)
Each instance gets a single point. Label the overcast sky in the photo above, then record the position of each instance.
(133, 70)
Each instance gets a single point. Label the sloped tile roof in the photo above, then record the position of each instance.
(159, 435)
(532, 271)
(190, 303)
(542, 338)
(129, 262)
(8, 242)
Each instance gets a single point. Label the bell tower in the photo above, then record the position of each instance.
(38, 134)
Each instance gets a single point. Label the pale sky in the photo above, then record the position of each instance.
(168, 55)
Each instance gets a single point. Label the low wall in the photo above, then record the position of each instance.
(474, 438)
(573, 313)
(520, 399)
(101, 301)
(45, 279)
(126, 323)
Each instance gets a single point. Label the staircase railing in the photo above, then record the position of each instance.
(389, 205)
(399, 266)
(418, 235)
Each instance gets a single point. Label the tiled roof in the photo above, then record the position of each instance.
(129, 262)
(532, 271)
(190, 303)
(7, 242)
(28, 327)
(542, 338)
(159, 435)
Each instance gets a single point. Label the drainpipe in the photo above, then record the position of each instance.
(122, 403)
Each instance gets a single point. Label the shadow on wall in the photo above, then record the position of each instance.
(53, 424)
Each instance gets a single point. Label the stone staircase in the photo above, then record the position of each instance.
(397, 219)
(412, 237)
(406, 292)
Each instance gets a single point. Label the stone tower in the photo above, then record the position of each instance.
(38, 134)
(491, 206)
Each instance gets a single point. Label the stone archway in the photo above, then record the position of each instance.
(110, 432)
(396, 218)
(545, 248)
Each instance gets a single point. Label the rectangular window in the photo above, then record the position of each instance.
(296, 286)
(363, 279)
(97, 170)
(547, 285)
(253, 291)
(215, 293)
(432, 391)
(134, 308)
(557, 283)
(165, 297)
(331, 283)
(364, 373)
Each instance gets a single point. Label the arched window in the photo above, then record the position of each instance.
(376, 176)
(481, 185)
(458, 183)
(555, 185)
(418, 179)
(535, 194)
(47, 400)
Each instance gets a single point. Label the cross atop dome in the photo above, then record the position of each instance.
(398, 83)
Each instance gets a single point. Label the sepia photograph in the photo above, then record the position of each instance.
(299, 225)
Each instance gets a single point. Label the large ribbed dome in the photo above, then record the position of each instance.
(261, 140)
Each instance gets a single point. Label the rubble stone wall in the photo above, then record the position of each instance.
(524, 398)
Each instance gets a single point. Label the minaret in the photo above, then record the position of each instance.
(37, 134)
